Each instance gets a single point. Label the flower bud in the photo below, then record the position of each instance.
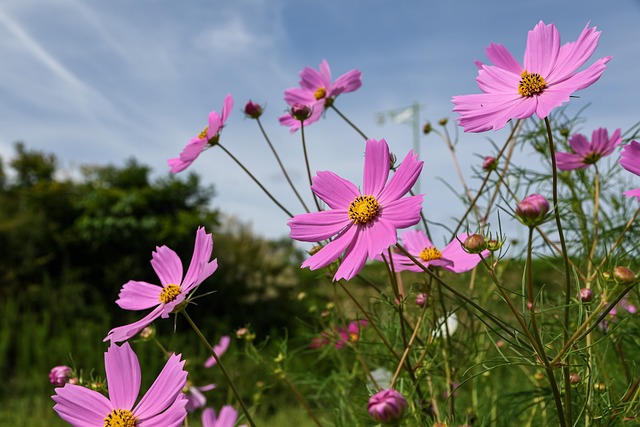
(426, 129)
(421, 300)
(474, 244)
(300, 112)
(489, 163)
(387, 406)
(148, 333)
(443, 122)
(565, 132)
(494, 245)
(252, 110)
(574, 378)
(532, 210)
(624, 275)
(585, 295)
(60, 375)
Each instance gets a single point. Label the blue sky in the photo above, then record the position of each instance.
(97, 82)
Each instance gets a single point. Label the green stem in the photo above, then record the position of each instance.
(273, 199)
(222, 368)
(284, 171)
(567, 272)
(306, 161)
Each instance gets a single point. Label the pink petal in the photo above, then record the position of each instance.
(208, 417)
(574, 54)
(219, 349)
(336, 192)
(123, 333)
(402, 180)
(311, 79)
(325, 72)
(297, 95)
(633, 193)
(630, 157)
(378, 236)
(167, 266)
(494, 79)
(227, 417)
(580, 144)
(80, 406)
(318, 226)
(543, 47)
(174, 416)
(501, 57)
(192, 150)
(227, 107)
(123, 375)
(376, 167)
(136, 295)
(414, 241)
(332, 250)
(348, 82)
(164, 390)
(403, 213)
(202, 250)
(569, 161)
(215, 123)
(354, 258)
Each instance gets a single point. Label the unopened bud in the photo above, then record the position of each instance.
(574, 378)
(564, 132)
(148, 333)
(421, 300)
(600, 387)
(532, 210)
(443, 122)
(494, 245)
(426, 129)
(300, 112)
(60, 375)
(474, 244)
(252, 110)
(489, 163)
(585, 295)
(624, 275)
(387, 406)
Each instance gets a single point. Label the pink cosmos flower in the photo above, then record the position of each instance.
(587, 153)
(453, 257)
(630, 160)
(349, 334)
(318, 92)
(195, 398)
(219, 349)
(363, 222)
(226, 418)
(162, 405)
(136, 295)
(546, 81)
(208, 137)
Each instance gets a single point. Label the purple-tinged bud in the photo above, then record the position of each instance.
(387, 406)
(624, 275)
(574, 378)
(474, 244)
(532, 210)
(489, 163)
(253, 110)
(585, 295)
(60, 375)
(421, 300)
(300, 112)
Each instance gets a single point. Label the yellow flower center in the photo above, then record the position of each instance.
(120, 418)
(169, 293)
(429, 254)
(591, 158)
(203, 134)
(320, 93)
(214, 139)
(531, 84)
(363, 209)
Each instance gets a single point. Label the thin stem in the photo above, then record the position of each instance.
(406, 350)
(284, 171)
(273, 199)
(306, 161)
(349, 122)
(301, 400)
(222, 368)
(567, 272)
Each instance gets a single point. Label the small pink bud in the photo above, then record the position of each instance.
(532, 210)
(421, 300)
(574, 378)
(60, 375)
(300, 112)
(489, 163)
(252, 110)
(387, 406)
(585, 295)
